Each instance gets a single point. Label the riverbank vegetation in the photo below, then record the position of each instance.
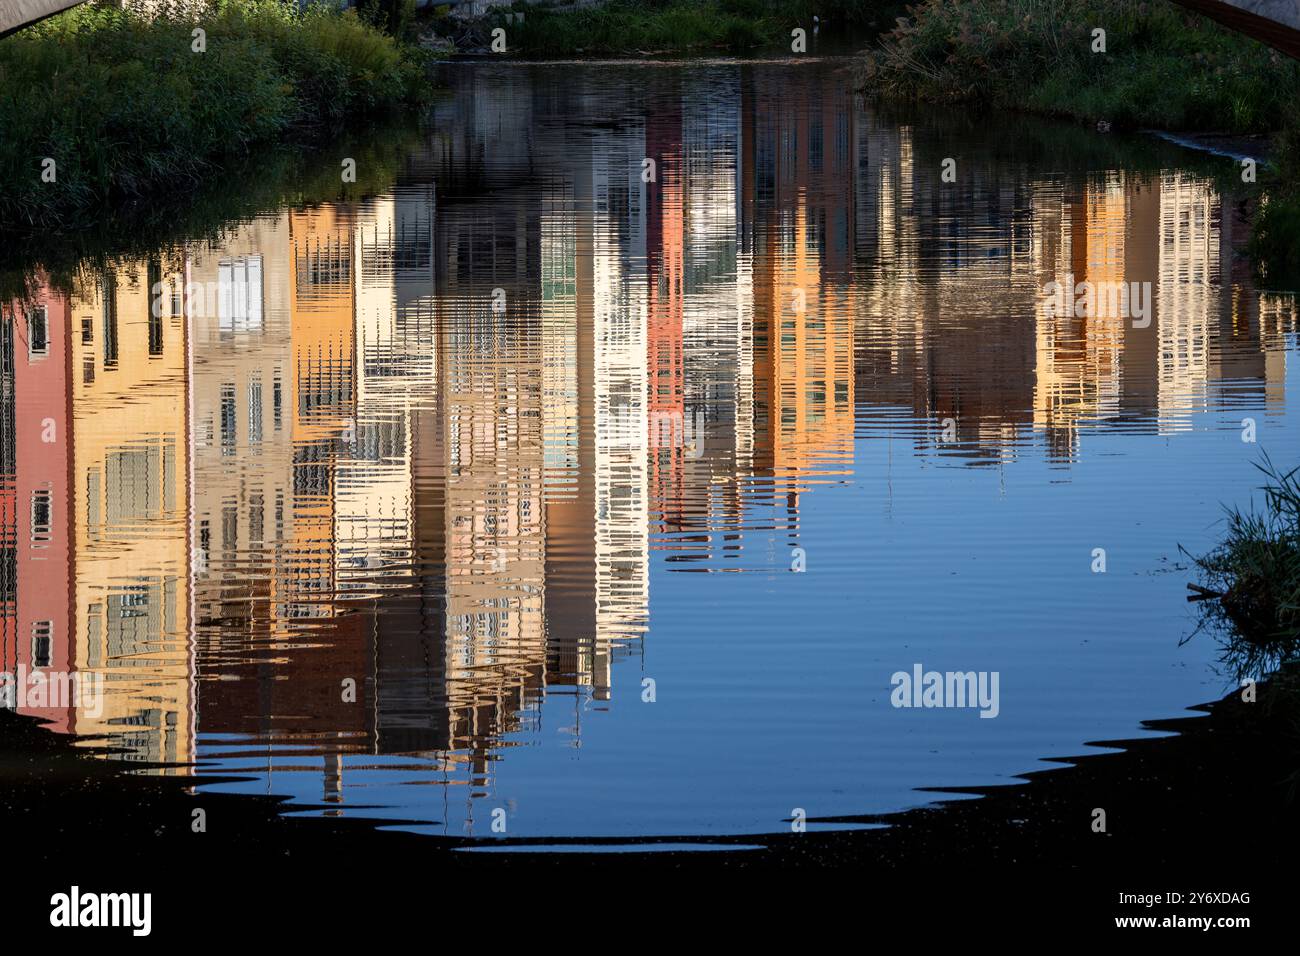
(1162, 67)
(623, 27)
(102, 109)
(1275, 237)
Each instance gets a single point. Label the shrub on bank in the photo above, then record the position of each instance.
(126, 105)
(1162, 66)
(1253, 576)
(1275, 236)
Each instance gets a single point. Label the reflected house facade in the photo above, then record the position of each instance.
(244, 399)
(374, 530)
(339, 644)
(718, 319)
(400, 434)
(1190, 257)
(490, 378)
(1078, 358)
(620, 333)
(568, 429)
(130, 499)
(595, 314)
(36, 636)
(945, 309)
(586, 277)
(799, 192)
(274, 406)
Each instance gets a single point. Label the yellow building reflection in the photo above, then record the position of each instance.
(131, 498)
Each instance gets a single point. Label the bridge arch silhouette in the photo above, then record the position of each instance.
(16, 14)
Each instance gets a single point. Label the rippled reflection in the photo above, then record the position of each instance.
(370, 490)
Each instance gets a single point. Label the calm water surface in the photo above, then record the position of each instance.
(528, 451)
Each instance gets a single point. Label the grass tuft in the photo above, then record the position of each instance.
(1251, 587)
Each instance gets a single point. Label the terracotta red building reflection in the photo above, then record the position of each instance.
(34, 501)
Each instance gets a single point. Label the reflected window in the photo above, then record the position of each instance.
(256, 515)
(93, 498)
(205, 547)
(155, 300)
(8, 578)
(239, 294)
(132, 624)
(325, 264)
(254, 411)
(38, 333)
(42, 643)
(109, 294)
(133, 485)
(42, 516)
(229, 529)
(227, 420)
(169, 476)
(95, 636)
(155, 335)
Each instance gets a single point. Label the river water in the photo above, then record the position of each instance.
(600, 472)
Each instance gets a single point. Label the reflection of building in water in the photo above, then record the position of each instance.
(717, 321)
(563, 367)
(1188, 292)
(274, 398)
(399, 399)
(374, 526)
(1150, 316)
(36, 639)
(803, 357)
(595, 350)
(666, 293)
(242, 406)
(803, 380)
(130, 501)
(490, 378)
(1079, 243)
(256, 666)
(568, 430)
(323, 353)
(303, 374)
(619, 315)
